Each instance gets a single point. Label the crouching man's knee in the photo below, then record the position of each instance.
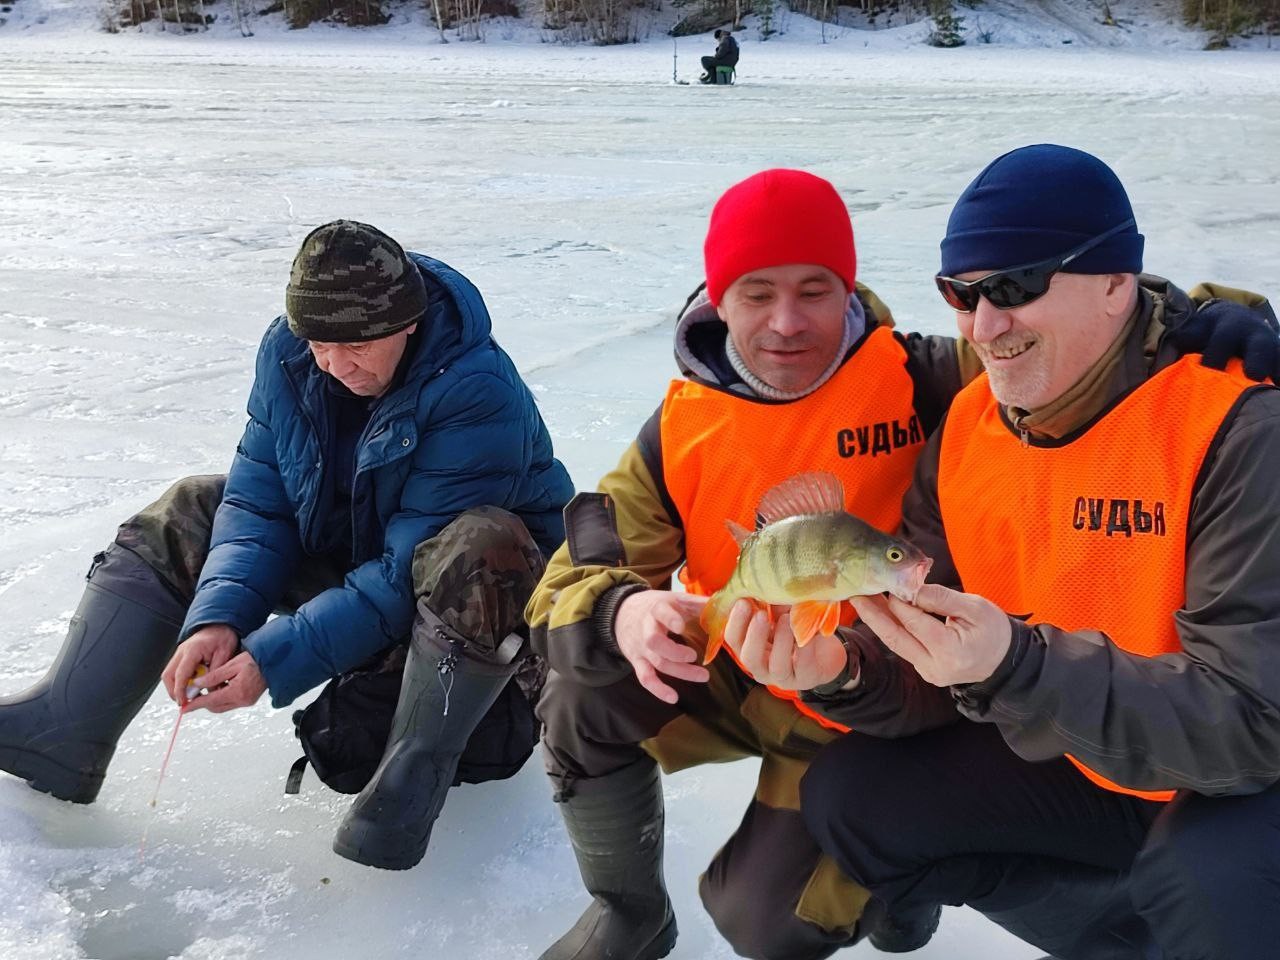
(1206, 877)
(772, 894)
(477, 574)
(762, 930)
(172, 535)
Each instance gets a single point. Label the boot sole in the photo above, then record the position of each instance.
(657, 948)
(907, 940)
(48, 776)
(363, 843)
(663, 943)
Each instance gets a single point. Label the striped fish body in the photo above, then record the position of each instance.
(814, 557)
(811, 555)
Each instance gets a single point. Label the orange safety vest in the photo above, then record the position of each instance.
(721, 451)
(1089, 533)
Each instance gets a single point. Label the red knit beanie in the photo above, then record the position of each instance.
(773, 219)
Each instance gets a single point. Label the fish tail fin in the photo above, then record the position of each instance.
(714, 617)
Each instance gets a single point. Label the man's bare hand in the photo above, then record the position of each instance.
(643, 628)
(211, 645)
(965, 648)
(771, 656)
(237, 683)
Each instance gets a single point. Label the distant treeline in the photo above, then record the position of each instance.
(1229, 18)
(626, 21)
(572, 21)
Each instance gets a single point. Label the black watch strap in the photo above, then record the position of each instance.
(832, 687)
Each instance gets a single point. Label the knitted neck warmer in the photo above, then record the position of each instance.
(855, 324)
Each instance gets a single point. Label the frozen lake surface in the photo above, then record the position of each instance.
(152, 194)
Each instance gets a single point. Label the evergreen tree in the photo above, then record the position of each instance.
(946, 25)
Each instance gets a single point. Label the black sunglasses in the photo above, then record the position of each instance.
(1006, 289)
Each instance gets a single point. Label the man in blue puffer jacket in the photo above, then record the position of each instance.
(393, 497)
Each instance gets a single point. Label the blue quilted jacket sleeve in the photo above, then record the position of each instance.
(255, 546)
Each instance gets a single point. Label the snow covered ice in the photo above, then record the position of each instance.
(152, 193)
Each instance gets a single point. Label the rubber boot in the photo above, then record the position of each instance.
(61, 733)
(615, 824)
(904, 931)
(444, 694)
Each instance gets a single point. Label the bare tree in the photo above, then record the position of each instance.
(469, 19)
(241, 20)
(439, 17)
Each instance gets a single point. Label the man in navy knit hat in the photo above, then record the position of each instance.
(1110, 511)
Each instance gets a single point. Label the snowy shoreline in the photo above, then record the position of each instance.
(993, 24)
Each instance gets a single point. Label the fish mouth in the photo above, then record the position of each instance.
(913, 581)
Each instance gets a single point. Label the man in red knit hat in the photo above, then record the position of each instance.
(777, 356)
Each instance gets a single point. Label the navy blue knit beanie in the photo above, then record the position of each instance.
(1038, 202)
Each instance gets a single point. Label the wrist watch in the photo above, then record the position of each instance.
(844, 680)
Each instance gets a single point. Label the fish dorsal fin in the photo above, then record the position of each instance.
(803, 494)
(738, 531)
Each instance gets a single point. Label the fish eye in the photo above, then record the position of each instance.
(894, 554)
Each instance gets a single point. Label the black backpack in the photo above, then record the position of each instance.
(345, 730)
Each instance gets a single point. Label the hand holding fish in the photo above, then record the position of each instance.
(772, 655)
(965, 648)
(644, 627)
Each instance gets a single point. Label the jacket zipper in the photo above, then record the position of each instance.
(1023, 433)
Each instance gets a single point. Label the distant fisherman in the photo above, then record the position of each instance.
(393, 495)
(726, 55)
(788, 365)
(1111, 511)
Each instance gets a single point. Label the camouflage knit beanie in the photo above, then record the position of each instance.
(352, 282)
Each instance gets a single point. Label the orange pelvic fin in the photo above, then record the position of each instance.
(811, 617)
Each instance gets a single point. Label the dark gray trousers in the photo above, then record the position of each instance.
(953, 816)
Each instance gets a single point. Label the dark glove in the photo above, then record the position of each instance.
(1222, 330)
